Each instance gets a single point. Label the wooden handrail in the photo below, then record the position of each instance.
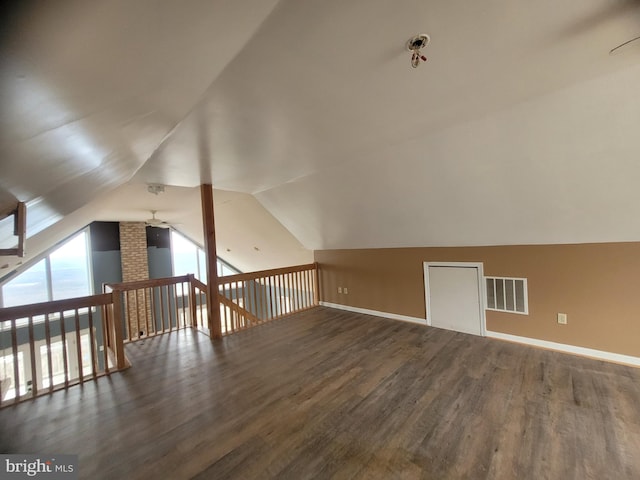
(35, 309)
(240, 277)
(239, 310)
(155, 282)
(199, 284)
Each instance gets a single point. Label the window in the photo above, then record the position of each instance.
(188, 257)
(7, 380)
(63, 273)
(184, 254)
(506, 294)
(74, 364)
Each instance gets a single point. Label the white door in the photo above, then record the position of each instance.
(454, 297)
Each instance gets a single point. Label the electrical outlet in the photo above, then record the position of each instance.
(339, 289)
(345, 290)
(562, 318)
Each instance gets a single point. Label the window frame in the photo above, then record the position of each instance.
(47, 267)
(200, 253)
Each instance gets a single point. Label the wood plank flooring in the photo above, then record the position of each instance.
(331, 394)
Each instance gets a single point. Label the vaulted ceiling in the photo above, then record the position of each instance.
(520, 127)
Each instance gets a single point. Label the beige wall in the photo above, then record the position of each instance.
(597, 285)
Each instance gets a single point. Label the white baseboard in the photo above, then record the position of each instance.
(393, 316)
(561, 347)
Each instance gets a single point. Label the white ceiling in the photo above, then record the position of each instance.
(520, 128)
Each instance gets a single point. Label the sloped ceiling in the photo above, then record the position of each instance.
(520, 128)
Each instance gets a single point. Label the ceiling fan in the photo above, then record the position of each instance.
(609, 11)
(156, 222)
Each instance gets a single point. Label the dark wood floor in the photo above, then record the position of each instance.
(330, 394)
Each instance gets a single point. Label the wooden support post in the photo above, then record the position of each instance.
(20, 230)
(208, 224)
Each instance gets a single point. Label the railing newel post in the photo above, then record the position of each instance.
(192, 301)
(117, 330)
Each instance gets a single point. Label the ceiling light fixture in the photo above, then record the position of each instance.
(415, 44)
(155, 189)
(617, 49)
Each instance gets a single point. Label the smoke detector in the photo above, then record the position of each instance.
(418, 42)
(155, 189)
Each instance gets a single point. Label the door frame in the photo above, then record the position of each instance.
(479, 266)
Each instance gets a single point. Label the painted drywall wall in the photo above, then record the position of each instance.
(159, 252)
(594, 284)
(105, 254)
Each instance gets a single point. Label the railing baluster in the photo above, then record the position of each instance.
(107, 316)
(14, 349)
(225, 309)
(184, 310)
(146, 294)
(254, 296)
(260, 294)
(203, 306)
(202, 300)
(316, 284)
(169, 319)
(280, 295)
(127, 311)
(32, 355)
(306, 289)
(290, 292)
(79, 347)
(246, 294)
(276, 298)
(192, 303)
(154, 313)
(293, 293)
(151, 310)
(175, 305)
(272, 295)
(47, 329)
(65, 359)
(92, 345)
(287, 281)
(296, 289)
(136, 311)
(234, 315)
(162, 308)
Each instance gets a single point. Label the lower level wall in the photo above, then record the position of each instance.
(596, 285)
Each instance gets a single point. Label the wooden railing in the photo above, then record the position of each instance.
(250, 299)
(50, 346)
(153, 307)
(199, 306)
